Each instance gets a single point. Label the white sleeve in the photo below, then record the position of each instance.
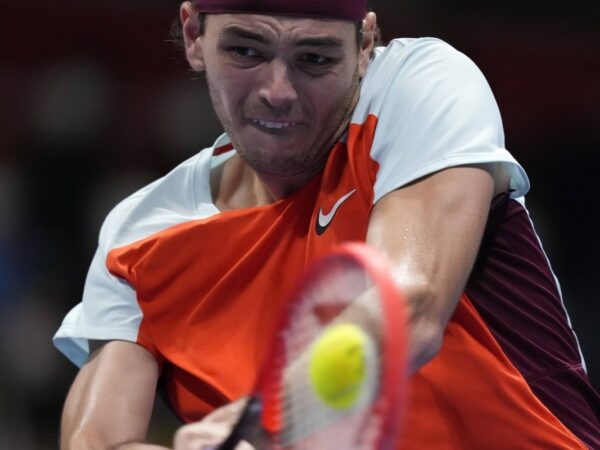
(435, 110)
(108, 311)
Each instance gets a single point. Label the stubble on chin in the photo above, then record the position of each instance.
(289, 161)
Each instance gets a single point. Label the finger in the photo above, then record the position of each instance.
(211, 430)
(228, 414)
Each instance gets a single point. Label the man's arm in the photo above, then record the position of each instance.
(110, 403)
(431, 231)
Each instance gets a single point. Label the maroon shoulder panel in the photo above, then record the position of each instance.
(515, 291)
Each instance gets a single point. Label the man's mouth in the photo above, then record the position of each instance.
(273, 125)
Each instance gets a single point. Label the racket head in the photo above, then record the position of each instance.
(351, 285)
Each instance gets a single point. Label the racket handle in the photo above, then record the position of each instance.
(247, 425)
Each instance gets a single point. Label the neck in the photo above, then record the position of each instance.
(278, 187)
(234, 185)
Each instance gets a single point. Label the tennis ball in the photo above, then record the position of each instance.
(338, 364)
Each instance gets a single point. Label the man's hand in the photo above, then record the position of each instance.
(212, 430)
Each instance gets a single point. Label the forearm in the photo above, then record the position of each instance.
(441, 226)
(91, 444)
(426, 326)
(110, 403)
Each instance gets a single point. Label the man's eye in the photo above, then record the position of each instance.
(246, 52)
(313, 58)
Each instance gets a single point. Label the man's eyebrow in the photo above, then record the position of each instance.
(240, 32)
(327, 41)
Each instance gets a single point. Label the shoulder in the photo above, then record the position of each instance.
(408, 54)
(411, 72)
(413, 67)
(181, 195)
(433, 109)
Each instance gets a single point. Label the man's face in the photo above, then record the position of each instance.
(283, 88)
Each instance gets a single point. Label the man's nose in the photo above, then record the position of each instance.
(277, 90)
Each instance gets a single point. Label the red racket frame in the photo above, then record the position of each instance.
(390, 401)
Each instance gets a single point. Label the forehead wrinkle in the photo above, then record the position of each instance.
(243, 32)
(269, 30)
(320, 41)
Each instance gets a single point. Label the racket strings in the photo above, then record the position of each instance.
(345, 296)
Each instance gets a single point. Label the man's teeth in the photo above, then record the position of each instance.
(269, 124)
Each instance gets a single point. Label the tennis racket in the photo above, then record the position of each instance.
(353, 398)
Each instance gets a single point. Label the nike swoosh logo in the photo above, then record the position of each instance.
(324, 220)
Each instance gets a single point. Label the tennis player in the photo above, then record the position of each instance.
(328, 138)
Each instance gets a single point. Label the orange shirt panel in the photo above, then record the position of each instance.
(472, 397)
(211, 289)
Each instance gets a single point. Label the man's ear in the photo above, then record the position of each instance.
(369, 31)
(192, 36)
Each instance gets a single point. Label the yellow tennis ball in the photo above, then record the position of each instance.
(338, 364)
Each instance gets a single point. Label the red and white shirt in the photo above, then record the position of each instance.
(201, 288)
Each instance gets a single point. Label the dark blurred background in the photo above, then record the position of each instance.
(95, 102)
